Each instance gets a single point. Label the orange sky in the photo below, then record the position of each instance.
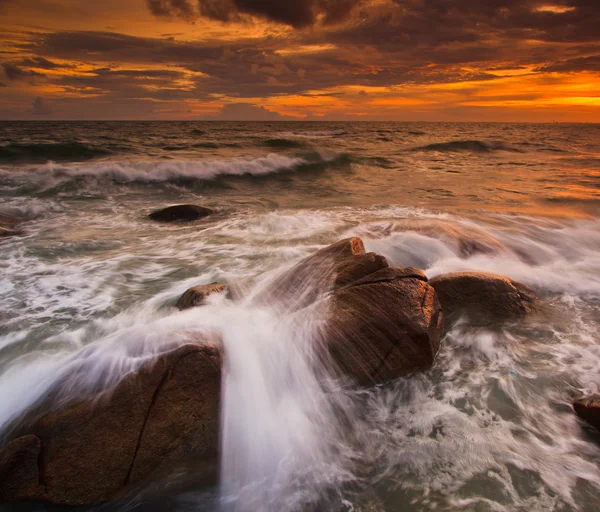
(447, 60)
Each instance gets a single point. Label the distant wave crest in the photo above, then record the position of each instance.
(54, 176)
(34, 153)
(471, 146)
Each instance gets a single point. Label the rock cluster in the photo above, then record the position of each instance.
(381, 323)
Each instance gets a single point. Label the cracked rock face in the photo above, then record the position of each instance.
(383, 326)
(89, 451)
(382, 323)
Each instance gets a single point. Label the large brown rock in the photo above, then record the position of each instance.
(89, 451)
(381, 322)
(482, 296)
(9, 224)
(196, 296)
(383, 326)
(335, 266)
(588, 409)
(180, 213)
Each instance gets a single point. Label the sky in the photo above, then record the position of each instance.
(401, 60)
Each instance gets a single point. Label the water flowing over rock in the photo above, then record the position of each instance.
(332, 267)
(91, 450)
(196, 296)
(588, 409)
(181, 213)
(482, 296)
(9, 224)
(383, 322)
(385, 325)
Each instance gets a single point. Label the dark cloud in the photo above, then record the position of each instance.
(40, 107)
(296, 13)
(574, 65)
(39, 62)
(247, 112)
(171, 8)
(15, 73)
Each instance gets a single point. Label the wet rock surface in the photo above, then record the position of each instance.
(483, 297)
(90, 451)
(181, 213)
(196, 296)
(588, 409)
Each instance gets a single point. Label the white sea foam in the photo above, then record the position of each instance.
(492, 414)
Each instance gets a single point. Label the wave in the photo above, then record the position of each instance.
(284, 143)
(52, 177)
(56, 151)
(472, 146)
(315, 134)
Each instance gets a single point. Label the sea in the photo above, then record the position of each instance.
(92, 283)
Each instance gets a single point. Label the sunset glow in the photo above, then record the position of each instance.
(330, 60)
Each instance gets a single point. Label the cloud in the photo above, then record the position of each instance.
(248, 112)
(40, 107)
(39, 62)
(574, 65)
(171, 8)
(296, 13)
(15, 73)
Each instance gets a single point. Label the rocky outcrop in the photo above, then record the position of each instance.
(91, 450)
(383, 326)
(381, 323)
(196, 296)
(588, 409)
(9, 224)
(330, 268)
(483, 297)
(181, 213)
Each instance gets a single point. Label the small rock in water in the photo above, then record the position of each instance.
(588, 409)
(197, 295)
(181, 213)
(482, 296)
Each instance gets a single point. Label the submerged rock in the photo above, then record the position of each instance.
(482, 296)
(181, 213)
(9, 224)
(588, 409)
(90, 450)
(196, 296)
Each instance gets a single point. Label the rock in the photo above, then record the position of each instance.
(330, 268)
(181, 213)
(588, 409)
(482, 296)
(381, 322)
(197, 295)
(9, 224)
(92, 449)
(19, 471)
(383, 326)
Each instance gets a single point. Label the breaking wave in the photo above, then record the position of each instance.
(54, 175)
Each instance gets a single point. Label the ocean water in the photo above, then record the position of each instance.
(92, 283)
